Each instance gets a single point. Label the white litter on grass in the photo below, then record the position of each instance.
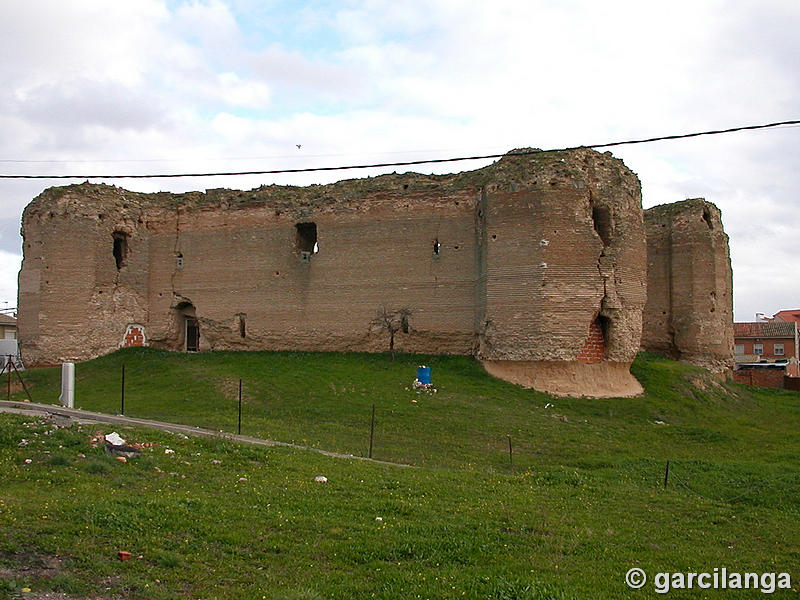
(169, 451)
(114, 439)
(321, 479)
(379, 519)
(242, 479)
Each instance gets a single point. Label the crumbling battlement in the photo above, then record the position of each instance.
(689, 311)
(535, 264)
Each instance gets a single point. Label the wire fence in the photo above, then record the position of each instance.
(675, 472)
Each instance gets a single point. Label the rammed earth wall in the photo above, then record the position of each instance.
(689, 311)
(536, 264)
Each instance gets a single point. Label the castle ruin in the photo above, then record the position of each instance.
(689, 310)
(536, 264)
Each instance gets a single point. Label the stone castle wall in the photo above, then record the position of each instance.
(689, 310)
(520, 263)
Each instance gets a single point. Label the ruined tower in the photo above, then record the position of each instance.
(689, 310)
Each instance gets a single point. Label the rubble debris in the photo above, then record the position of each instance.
(420, 387)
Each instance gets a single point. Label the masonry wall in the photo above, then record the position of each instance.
(769, 378)
(689, 310)
(521, 263)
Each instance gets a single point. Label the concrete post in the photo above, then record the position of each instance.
(67, 397)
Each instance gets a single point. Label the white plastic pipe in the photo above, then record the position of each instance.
(67, 397)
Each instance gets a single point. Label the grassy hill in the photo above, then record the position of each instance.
(584, 504)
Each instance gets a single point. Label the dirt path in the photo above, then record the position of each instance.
(85, 416)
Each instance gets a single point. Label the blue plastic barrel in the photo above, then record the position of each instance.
(424, 375)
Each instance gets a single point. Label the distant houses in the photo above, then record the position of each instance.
(8, 338)
(766, 351)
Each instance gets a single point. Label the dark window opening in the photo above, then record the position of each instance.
(307, 238)
(707, 218)
(241, 317)
(120, 248)
(601, 216)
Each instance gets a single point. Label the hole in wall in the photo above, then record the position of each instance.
(179, 260)
(120, 248)
(306, 240)
(241, 319)
(707, 218)
(605, 328)
(437, 247)
(601, 216)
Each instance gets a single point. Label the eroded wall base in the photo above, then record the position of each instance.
(567, 378)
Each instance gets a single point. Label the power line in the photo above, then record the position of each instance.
(410, 162)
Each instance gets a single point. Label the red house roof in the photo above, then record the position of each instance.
(770, 329)
(788, 315)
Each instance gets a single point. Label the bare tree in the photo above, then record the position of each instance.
(393, 321)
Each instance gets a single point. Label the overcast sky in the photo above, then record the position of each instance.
(146, 86)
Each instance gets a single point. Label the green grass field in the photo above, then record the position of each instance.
(585, 501)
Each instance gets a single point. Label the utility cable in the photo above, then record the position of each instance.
(411, 162)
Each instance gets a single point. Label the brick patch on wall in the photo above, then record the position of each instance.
(134, 336)
(594, 348)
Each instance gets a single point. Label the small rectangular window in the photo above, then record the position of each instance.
(778, 350)
(758, 349)
(738, 349)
